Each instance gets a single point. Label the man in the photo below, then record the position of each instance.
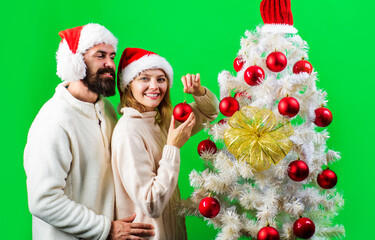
(67, 156)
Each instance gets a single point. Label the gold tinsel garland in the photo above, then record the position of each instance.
(254, 136)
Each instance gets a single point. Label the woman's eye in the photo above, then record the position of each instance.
(144, 79)
(161, 79)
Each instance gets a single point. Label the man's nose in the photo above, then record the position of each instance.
(110, 63)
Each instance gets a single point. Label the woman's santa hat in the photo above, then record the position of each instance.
(74, 43)
(134, 61)
(277, 16)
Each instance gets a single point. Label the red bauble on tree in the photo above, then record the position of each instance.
(327, 179)
(228, 106)
(302, 66)
(209, 207)
(182, 111)
(288, 106)
(304, 228)
(298, 170)
(276, 61)
(238, 64)
(323, 117)
(254, 75)
(268, 233)
(207, 146)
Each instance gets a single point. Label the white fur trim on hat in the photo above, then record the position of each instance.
(144, 63)
(279, 28)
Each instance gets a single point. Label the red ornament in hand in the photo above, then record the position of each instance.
(209, 207)
(228, 106)
(207, 146)
(323, 117)
(242, 94)
(181, 112)
(298, 170)
(276, 61)
(253, 75)
(302, 66)
(304, 228)
(238, 64)
(327, 179)
(288, 106)
(268, 233)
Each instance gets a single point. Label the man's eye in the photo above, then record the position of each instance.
(101, 56)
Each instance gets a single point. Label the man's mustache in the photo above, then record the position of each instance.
(107, 70)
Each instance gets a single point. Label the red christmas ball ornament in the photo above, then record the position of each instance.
(207, 146)
(238, 64)
(288, 106)
(276, 61)
(254, 75)
(209, 207)
(327, 179)
(228, 106)
(268, 233)
(302, 66)
(298, 170)
(242, 94)
(182, 111)
(304, 228)
(323, 117)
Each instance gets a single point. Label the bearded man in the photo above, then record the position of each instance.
(67, 156)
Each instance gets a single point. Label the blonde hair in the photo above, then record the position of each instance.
(164, 110)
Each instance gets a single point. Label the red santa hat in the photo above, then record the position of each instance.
(135, 60)
(277, 16)
(74, 43)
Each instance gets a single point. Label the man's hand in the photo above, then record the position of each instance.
(124, 229)
(192, 84)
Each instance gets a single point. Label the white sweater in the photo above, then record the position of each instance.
(67, 163)
(146, 170)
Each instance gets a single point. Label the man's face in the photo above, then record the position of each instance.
(100, 73)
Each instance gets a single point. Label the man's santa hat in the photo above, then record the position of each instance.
(74, 43)
(134, 61)
(277, 16)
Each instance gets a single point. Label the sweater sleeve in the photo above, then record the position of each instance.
(47, 161)
(149, 188)
(205, 108)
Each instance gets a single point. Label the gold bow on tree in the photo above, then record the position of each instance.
(253, 136)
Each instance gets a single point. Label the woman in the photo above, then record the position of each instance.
(146, 141)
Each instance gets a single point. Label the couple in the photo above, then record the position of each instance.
(84, 182)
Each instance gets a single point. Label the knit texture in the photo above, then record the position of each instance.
(67, 163)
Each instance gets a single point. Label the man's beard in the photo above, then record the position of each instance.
(100, 85)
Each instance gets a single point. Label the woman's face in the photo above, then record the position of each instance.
(149, 88)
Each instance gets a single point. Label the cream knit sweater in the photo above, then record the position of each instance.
(146, 170)
(68, 166)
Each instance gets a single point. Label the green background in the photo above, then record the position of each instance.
(195, 36)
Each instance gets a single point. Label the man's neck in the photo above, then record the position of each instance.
(81, 92)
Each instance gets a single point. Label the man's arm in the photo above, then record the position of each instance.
(47, 162)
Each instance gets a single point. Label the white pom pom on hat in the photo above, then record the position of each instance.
(136, 60)
(74, 43)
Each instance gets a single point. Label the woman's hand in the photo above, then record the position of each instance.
(178, 136)
(192, 84)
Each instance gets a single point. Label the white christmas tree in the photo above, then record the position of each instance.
(269, 180)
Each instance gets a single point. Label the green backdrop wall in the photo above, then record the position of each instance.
(195, 36)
